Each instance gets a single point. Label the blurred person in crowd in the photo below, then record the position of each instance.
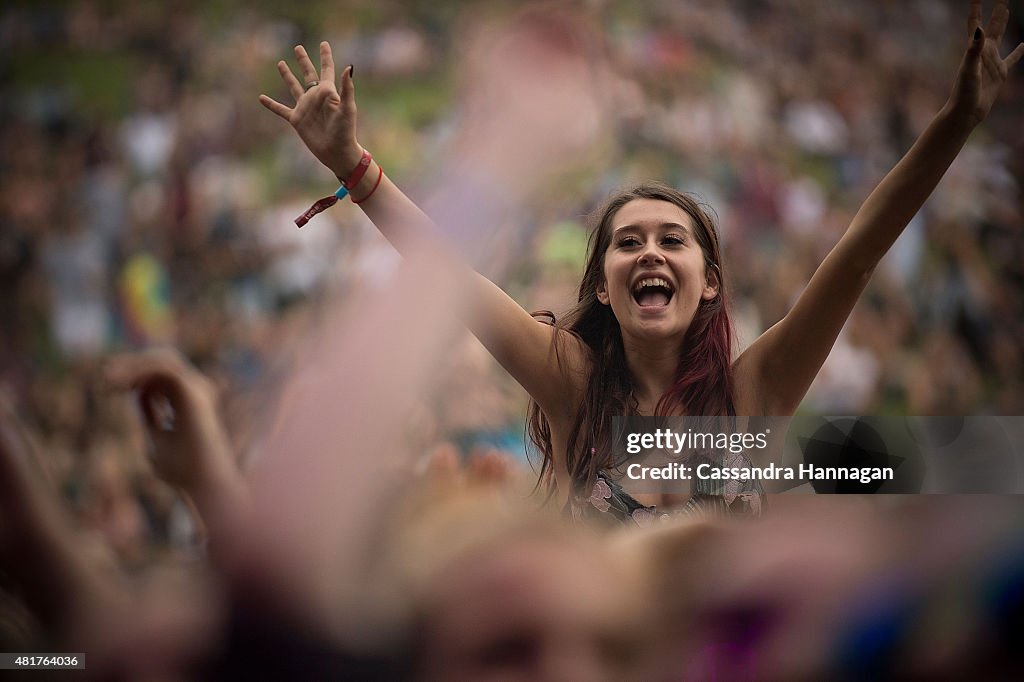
(786, 598)
(651, 333)
(755, 600)
(499, 591)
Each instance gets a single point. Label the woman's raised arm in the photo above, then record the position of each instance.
(324, 116)
(773, 375)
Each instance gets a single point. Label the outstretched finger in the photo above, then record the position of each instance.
(275, 106)
(997, 22)
(974, 50)
(305, 65)
(973, 17)
(1014, 56)
(348, 88)
(293, 84)
(326, 62)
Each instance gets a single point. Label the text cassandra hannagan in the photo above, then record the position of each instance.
(675, 471)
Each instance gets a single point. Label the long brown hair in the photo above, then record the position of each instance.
(703, 381)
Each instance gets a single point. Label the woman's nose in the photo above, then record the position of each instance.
(651, 255)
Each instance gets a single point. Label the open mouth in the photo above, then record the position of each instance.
(652, 292)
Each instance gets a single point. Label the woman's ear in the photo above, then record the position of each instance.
(713, 283)
(602, 293)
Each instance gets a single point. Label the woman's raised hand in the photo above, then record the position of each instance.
(323, 116)
(982, 71)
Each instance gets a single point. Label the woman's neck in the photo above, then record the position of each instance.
(652, 367)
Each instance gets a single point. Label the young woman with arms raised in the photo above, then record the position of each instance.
(650, 333)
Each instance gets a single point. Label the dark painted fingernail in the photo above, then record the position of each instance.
(977, 33)
(351, 70)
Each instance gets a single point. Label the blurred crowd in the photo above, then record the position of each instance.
(464, 582)
(146, 199)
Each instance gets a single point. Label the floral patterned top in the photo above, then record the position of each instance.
(611, 504)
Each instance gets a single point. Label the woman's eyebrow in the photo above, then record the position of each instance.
(663, 227)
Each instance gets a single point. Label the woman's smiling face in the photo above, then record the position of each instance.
(655, 272)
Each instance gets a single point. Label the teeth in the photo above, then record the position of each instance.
(654, 282)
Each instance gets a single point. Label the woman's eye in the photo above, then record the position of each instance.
(673, 240)
(629, 241)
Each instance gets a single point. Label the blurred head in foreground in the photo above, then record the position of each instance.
(500, 591)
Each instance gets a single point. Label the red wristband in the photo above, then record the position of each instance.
(356, 175)
(319, 207)
(375, 185)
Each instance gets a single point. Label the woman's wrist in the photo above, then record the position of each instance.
(348, 162)
(367, 184)
(957, 120)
